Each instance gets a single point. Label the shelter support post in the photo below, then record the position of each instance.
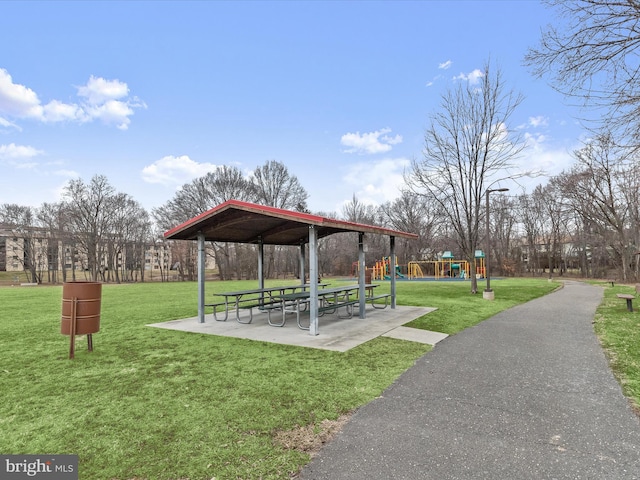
(261, 267)
(260, 264)
(361, 277)
(303, 279)
(201, 263)
(392, 254)
(313, 280)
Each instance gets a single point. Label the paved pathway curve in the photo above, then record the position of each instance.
(526, 394)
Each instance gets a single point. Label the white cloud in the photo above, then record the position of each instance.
(17, 100)
(101, 99)
(370, 143)
(56, 111)
(112, 112)
(109, 101)
(66, 173)
(538, 121)
(19, 157)
(7, 124)
(473, 78)
(535, 140)
(436, 78)
(543, 159)
(98, 90)
(441, 66)
(377, 182)
(175, 171)
(18, 152)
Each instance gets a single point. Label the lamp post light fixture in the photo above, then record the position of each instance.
(488, 293)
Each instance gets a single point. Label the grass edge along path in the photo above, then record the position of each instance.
(161, 404)
(619, 333)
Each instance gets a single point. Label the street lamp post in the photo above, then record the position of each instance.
(488, 293)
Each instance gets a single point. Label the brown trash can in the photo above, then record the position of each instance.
(367, 275)
(88, 297)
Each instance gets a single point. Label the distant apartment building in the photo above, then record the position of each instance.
(544, 255)
(11, 254)
(35, 249)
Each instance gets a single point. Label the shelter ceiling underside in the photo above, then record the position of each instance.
(246, 227)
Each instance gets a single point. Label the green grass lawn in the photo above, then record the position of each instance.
(159, 404)
(619, 333)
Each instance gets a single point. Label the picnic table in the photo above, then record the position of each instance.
(329, 300)
(251, 298)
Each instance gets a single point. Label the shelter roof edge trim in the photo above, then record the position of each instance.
(287, 215)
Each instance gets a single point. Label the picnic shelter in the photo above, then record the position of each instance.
(236, 221)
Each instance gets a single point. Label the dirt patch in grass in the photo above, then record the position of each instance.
(311, 438)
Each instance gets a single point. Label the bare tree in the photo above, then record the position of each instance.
(273, 185)
(581, 241)
(468, 149)
(630, 191)
(377, 247)
(594, 58)
(551, 211)
(531, 216)
(203, 193)
(358, 212)
(595, 189)
(412, 213)
(128, 236)
(53, 218)
(332, 258)
(503, 224)
(89, 213)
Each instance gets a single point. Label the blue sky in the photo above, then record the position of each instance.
(154, 94)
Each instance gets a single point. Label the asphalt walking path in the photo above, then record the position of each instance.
(526, 394)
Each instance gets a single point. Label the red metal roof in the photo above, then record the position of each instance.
(242, 222)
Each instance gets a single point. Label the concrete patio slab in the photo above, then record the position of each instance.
(338, 334)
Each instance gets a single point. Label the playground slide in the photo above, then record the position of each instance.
(398, 275)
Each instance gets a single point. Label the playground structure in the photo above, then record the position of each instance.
(445, 268)
(439, 269)
(381, 270)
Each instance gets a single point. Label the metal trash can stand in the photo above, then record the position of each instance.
(81, 302)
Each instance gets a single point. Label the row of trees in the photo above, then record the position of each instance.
(95, 230)
(593, 60)
(270, 184)
(105, 233)
(585, 219)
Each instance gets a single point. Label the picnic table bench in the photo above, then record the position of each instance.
(262, 298)
(372, 298)
(330, 300)
(629, 297)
